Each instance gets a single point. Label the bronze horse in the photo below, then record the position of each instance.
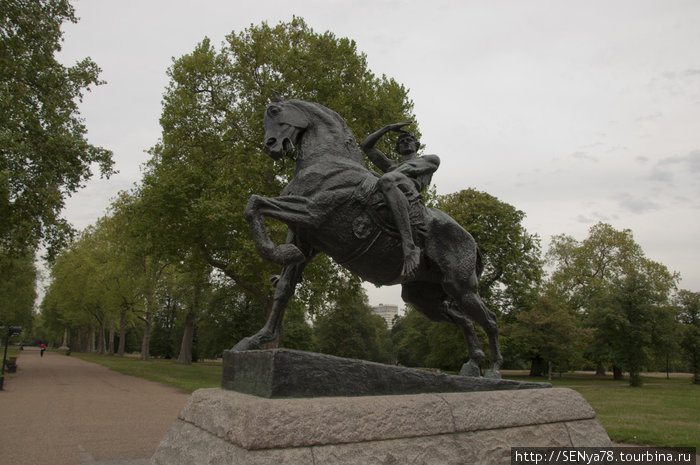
(331, 206)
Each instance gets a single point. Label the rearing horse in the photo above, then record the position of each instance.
(332, 205)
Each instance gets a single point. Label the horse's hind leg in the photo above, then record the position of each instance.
(429, 299)
(466, 296)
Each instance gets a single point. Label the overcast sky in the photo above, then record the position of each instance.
(573, 112)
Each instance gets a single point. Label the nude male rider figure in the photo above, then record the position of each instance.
(401, 183)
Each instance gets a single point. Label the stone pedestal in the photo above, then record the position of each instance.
(284, 407)
(217, 426)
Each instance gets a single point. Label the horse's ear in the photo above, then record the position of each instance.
(276, 96)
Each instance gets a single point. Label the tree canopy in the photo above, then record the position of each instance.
(512, 256)
(173, 263)
(210, 159)
(44, 152)
(17, 290)
(509, 284)
(619, 292)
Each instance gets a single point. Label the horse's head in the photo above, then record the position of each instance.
(284, 123)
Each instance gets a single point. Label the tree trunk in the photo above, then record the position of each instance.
(91, 337)
(146, 341)
(101, 337)
(635, 379)
(617, 372)
(64, 344)
(537, 367)
(549, 371)
(600, 369)
(187, 340)
(110, 348)
(122, 333)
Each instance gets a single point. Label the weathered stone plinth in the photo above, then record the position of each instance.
(290, 407)
(283, 373)
(218, 426)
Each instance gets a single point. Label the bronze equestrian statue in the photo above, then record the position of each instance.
(335, 205)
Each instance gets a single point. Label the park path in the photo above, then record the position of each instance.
(60, 410)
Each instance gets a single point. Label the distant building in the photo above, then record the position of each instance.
(388, 312)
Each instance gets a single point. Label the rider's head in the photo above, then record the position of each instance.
(407, 143)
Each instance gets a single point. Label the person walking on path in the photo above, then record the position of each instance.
(43, 348)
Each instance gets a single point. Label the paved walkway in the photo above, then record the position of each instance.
(60, 410)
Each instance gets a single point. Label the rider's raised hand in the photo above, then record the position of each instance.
(398, 126)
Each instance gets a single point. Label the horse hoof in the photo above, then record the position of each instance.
(288, 254)
(493, 374)
(470, 369)
(244, 344)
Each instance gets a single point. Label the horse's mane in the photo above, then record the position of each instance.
(335, 121)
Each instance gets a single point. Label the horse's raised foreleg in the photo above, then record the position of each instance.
(284, 290)
(295, 211)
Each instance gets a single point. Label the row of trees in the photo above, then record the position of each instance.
(174, 255)
(604, 305)
(171, 269)
(44, 155)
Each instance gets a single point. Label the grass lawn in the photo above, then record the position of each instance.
(660, 413)
(186, 377)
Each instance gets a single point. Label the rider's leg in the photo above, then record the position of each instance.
(398, 204)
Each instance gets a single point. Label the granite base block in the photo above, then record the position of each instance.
(224, 427)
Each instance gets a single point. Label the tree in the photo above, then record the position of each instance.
(110, 272)
(210, 159)
(551, 333)
(350, 329)
(228, 316)
(76, 296)
(17, 290)
(297, 332)
(45, 156)
(194, 291)
(689, 304)
(411, 340)
(616, 289)
(512, 256)
(510, 281)
(419, 342)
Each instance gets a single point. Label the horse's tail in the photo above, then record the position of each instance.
(479, 262)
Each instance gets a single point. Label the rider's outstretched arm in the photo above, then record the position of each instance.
(375, 155)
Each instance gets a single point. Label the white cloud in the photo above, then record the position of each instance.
(636, 204)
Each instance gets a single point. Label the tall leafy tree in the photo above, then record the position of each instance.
(350, 329)
(689, 305)
(18, 277)
(619, 292)
(143, 259)
(510, 281)
(210, 159)
(44, 154)
(512, 256)
(551, 333)
(229, 316)
(77, 291)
